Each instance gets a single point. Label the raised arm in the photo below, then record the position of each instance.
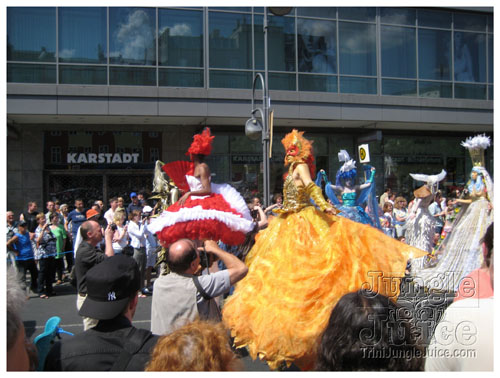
(369, 181)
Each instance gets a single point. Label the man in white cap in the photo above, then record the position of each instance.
(113, 344)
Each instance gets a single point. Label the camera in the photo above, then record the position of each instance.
(113, 226)
(206, 258)
(254, 214)
(145, 215)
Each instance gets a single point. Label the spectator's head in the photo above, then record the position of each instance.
(183, 257)
(91, 232)
(113, 203)
(21, 354)
(400, 202)
(100, 204)
(140, 196)
(388, 190)
(278, 198)
(96, 207)
(32, 206)
(54, 218)
(79, 204)
(134, 216)
(57, 205)
(121, 201)
(50, 206)
(92, 214)
(387, 207)
(119, 217)
(255, 202)
(40, 219)
(10, 216)
(133, 197)
(22, 226)
(368, 332)
(64, 208)
(197, 346)
(112, 288)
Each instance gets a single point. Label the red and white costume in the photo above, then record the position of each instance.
(222, 215)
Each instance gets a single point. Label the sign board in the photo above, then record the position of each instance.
(364, 153)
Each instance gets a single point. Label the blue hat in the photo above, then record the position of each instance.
(133, 194)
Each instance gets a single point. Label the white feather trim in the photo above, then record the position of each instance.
(343, 155)
(348, 165)
(479, 141)
(186, 214)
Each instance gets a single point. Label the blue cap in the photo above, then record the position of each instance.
(133, 194)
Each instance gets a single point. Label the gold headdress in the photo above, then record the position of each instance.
(476, 146)
(296, 146)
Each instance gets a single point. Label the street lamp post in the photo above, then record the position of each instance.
(254, 128)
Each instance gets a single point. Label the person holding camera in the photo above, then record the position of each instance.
(187, 292)
(136, 228)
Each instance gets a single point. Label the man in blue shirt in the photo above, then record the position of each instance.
(135, 204)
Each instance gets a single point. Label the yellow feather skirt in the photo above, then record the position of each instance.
(298, 269)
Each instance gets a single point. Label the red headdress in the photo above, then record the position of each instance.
(299, 149)
(202, 143)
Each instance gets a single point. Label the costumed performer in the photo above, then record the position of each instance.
(420, 227)
(206, 211)
(353, 196)
(302, 264)
(460, 252)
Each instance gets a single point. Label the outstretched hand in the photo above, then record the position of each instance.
(184, 198)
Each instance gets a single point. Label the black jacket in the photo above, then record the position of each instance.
(99, 348)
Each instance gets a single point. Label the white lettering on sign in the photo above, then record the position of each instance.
(108, 158)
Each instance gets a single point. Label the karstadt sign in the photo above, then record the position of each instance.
(101, 158)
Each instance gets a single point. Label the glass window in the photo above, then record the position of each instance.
(469, 21)
(358, 13)
(434, 54)
(399, 87)
(357, 49)
(398, 16)
(258, 38)
(434, 19)
(55, 154)
(82, 35)
(230, 79)
(285, 82)
(470, 57)
(230, 40)
(237, 9)
(318, 83)
(31, 73)
(358, 85)
(180, 78)
(132, 76)
(434, 89)
(490, 23)
(180, 38)
(317, 46)
(243, 144)
(471, 91)
(399, 52)
(490, 58)
(324, 12)
(31, 34)
(281, 43)
(132, 36)
(82, 75)
(490, 92)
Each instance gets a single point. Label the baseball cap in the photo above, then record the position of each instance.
(133, 194)
(147, 209)
(110, 284)
(92, 213)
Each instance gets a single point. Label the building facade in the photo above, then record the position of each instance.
(95, 95)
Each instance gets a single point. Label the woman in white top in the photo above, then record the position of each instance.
(136, 230)
(120, 237)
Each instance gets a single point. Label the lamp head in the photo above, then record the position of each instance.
(253, 128)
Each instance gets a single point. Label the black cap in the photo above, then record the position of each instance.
(22, 223)
(110, 284)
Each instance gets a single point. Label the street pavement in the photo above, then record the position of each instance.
(425, 308)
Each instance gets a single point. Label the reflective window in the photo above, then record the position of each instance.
(231, 79)
(180, 38)
(237, 9)
(399, 52)
(490, 92)
(180, 78)
(357, 49)
(470, 57)
(31, 34)
(281, 43)
(469, 21)
(358, 85)
(490, 23)
(318, 83)
(132, 76)
(258, 37)
(317, 46)
(435, 19)
(358, 13)
(434, 89)
(132, 36)
(82, 35)
(284, 82)
(434, 54)
(398, 16)
(82, 75)
(31, 73)
(230, 40)
(471, 91)
(323, 12)
(490, 58)
(399, 87)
